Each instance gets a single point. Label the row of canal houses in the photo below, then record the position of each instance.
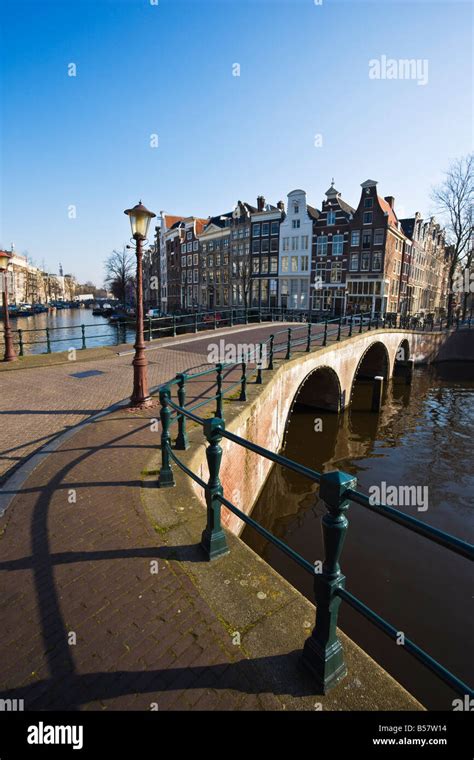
(338, 260)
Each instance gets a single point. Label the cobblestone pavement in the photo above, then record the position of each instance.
(36, 404)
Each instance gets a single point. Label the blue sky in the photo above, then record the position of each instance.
(166, 69)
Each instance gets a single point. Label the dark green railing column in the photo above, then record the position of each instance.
(20, 342)
(323, 653)
(195, 322)
(339, 326)
(174, 326)
(308, 338)
(182, 442)
(117, 325)
(213, 539)
(325, 337)
(48, 341)
(270, 360)
(243, 383)
(215, 320)
(219, 392)
(288, 345)
(360, 325)
(351, 325)
(165, 479)
(369, 326)
(259, 364)
(83, 331)
(149, 329)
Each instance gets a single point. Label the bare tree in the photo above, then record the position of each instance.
(454, 199)
(119, 269)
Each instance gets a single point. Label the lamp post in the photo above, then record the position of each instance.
(9, 355)
(139, 221)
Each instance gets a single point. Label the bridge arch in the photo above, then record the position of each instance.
(374, 361)
(320, 389)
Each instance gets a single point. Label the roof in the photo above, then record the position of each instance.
(408, 226)
(386, 207)
(313, 212)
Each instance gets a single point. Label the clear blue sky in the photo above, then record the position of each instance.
(167, 69)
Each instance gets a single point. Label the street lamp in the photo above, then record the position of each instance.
(9, 355)
(139, 221)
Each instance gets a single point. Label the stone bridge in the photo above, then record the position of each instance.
(323, 379)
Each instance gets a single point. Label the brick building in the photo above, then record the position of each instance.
(264, 246)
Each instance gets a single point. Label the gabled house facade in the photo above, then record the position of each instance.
(296, 234)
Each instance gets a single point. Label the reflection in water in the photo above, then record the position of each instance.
(422, 438)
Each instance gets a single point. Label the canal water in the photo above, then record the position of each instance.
(65, 330)
(422, 437)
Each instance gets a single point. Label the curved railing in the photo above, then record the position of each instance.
(322, 653)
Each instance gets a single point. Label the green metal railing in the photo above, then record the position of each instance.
(322, 653)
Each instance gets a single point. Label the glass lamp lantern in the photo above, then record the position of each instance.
(4, 260)
(140, 218)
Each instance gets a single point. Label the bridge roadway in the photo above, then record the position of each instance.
(87, 622)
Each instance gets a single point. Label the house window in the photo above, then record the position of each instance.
(265, 245)
(190, 261)
(284, 263)
(226, 242)
(294, 263)
(378, 237)
(365, 263)
(189, 247)
(354, 262)
(183, 261)
(296, 208)
(218, 259)
(190, 275)
(264, 267)
(304, 263)
(210, 261)
(377, 261)
(256, 230)
(274, 245)
(183, 248)
(304, 242)
(256, 265)
(355, 237)
(195, 259)
(195, 275)
(331, 217)
(336, 271)
(211, 245)
(286, 244)
(368, 202)
(255, 246)
(296, 224)
(273, 264)
(366, 239)
(322, 245)
(265, 228)
(294, 243)
(189, 236)
(367, 217)
(275, 228)
(196, 245)
(337, 245)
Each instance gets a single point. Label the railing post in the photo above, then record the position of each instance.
(48, 342)
(213, 539)
(270, 360)
(360, 324)
(117, 325)
(231, 317)
(83, 331)
(351, 324)
(20, 340)
(218, 412)
(377, 322)
(174, 326)
(243, 383)
(308, 339)
(288, 345)
(182, 442)
(259, 365)
(325, 337)
(215, 320)
(246, 316)
(149, 329)
(195, 322)
(339, 329)
(165, 479)
(369, 326)
(323, 654)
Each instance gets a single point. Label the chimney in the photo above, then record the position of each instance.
(390, 200)
(281, 205)
(260, 203)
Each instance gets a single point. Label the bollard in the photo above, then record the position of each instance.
(182, 442)
(325, 337)
(20, 341)
(213, 539)
(48, 342)
(83, 330)
(165, 478)
(377, 322)
(308, 339)
(410, 366)
(339, 329)
(288, 345)
(259, 364)
(243, 383)
(270, 360)
(323, 654)
(218, 412)
(377, 390)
